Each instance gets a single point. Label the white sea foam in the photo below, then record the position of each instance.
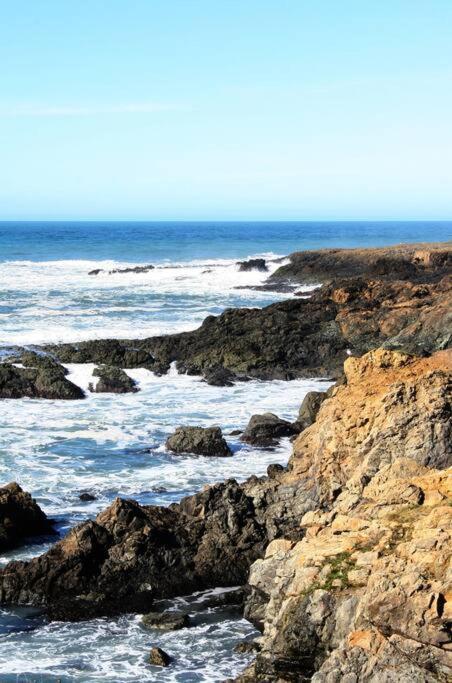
(59, 301)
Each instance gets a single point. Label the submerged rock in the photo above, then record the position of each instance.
(49, 382)
(112, 380)
(266, 429)
(165, 621)
(253, 264)
(199, 441)
(20, 517)
(158, 657)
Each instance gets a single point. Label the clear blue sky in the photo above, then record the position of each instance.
(227, 109)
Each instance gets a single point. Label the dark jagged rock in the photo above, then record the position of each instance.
(20, 517)
(112, 380)
(158, 657)
(253, 264)
(309, 408)
(132, 554)
(165, 621)
(266, 429)
(96, 271)
(199, 441)
(49, 383)
(400, 262)
(219, 376)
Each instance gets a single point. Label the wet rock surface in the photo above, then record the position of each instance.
(20, 517)
(207, 441)
(219, 376)
(112, 380)
(267, 429)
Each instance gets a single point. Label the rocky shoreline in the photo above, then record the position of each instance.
(345, 554)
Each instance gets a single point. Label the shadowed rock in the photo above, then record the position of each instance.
(20, 517)
(199, 441)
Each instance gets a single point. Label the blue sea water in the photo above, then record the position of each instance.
(185, 241)
(114, 445)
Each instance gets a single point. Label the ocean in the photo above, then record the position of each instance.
(113, 445)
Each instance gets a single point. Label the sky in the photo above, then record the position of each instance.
(225, 109)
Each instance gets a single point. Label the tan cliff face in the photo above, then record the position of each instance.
(366, 595)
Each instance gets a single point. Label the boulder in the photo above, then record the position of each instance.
(165, 621)
(158, 657)
(49, 383)
(266, 429)
(199, 441)
(112, 380)
(20, 517)
(309, 408)
(253, 264)
(86, 497)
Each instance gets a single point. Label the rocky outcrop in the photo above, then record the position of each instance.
(294, 338)
(40, 382)
(199, 441)
(365, 594)
(20, 517)
(253, 264)
(421, 262)
(112, 380)
(267, 429)
(349, 547)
